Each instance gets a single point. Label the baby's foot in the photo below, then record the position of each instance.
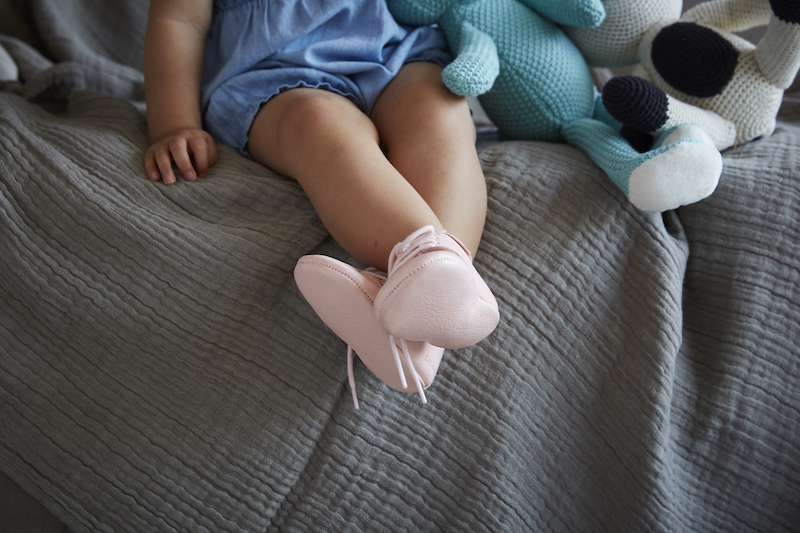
(343, 297)
(434, 294)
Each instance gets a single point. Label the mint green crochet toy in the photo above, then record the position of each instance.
(535, 84)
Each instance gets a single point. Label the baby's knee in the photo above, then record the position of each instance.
(302, 110)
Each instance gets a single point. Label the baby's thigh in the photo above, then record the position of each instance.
(417, 105)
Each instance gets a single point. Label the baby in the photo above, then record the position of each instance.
(339, 97)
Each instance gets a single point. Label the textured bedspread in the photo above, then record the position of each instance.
(160, 371)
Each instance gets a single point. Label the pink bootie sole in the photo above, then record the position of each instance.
(343, 298)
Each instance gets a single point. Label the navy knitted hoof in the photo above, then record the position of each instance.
(693, 59)
(786, 10)
(640, 141)
(635, 102)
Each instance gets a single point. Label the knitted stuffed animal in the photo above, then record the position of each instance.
(535, 84)
(693, 69)
(615, 42)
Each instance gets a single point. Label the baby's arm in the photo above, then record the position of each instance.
(173, 62)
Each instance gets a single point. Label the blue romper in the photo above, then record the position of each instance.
(257, 48)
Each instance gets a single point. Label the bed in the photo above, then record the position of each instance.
(160, 371)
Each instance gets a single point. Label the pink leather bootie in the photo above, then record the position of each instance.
(343, 297)
(434, 294)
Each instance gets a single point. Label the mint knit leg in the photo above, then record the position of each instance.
(604, 145)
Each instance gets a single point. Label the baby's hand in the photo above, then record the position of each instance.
(181, 146)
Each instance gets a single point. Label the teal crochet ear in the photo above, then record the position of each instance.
(579, 13)
(418, 12)
(476, 65)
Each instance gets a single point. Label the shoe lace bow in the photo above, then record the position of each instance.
(393, 341)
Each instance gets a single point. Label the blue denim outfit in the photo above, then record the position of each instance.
(257, 48)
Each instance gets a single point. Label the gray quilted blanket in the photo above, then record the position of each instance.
(160, 371)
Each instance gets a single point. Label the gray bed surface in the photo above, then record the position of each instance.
(21, 513)
(160, 371)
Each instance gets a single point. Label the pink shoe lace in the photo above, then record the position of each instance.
(421, 241)
(381, 276)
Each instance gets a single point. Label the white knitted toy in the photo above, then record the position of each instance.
(615, 42)
(695, 70)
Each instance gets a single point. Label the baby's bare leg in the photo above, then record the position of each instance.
(332, 149)
(429, 136)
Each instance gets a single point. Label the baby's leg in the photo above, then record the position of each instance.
(377, 207)
(332, 149)
(429, 136)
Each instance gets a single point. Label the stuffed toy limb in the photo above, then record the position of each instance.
(476, 65)
(615, 42)
(535, 84)
(695, 70)
(682, 166)
(577, 13)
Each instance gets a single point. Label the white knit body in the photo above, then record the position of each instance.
(615, 43)
(747, 106)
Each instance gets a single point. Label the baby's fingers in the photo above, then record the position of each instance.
(204, 153)
(164, 164)
(180, 154)
(158, 164)
(150, 165)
